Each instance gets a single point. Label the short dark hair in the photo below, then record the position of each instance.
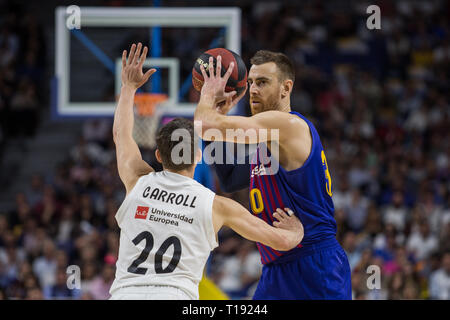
(284, 64)
(165, 142)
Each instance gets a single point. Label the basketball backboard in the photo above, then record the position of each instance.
(87, 63)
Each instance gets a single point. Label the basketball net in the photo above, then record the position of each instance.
(145, 123)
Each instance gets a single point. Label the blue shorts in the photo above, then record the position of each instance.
(315, 272)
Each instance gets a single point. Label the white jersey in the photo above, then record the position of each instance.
(166, 233)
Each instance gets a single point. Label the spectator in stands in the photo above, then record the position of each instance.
(373, 224)
(35, 191)
(350, 246)
(32, 288)
(356, 211)
(45, 265)
(60, 290)
(440, 280)
(10, 261)
(4, 227)
(66, 227)
(396, 213)
(7, 53)
(101, 284)
(34, 293)
(422, 243)
(241, 271)
(396, 286)
(88, 272)
(411, 290)
(444, 239)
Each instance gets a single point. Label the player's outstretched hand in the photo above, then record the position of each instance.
(286, 219)
(132, 75)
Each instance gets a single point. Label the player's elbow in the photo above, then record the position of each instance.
(295, 240)
(278, 241)
(288, 242)
(283, 244)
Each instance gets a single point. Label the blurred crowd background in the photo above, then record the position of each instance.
(379, 99)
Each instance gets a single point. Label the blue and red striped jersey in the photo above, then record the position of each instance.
(306, 190)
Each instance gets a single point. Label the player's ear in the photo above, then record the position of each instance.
(286, 88)
(158, 156)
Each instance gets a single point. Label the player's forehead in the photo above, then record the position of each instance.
(266, 70)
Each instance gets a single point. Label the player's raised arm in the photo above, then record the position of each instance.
(129, 159)
(286, 234)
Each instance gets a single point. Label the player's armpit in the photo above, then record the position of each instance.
(232, 214)
(262, 127)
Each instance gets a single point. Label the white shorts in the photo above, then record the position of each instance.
(149, 293)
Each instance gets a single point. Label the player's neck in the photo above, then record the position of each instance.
(187, 173)
(285, 106)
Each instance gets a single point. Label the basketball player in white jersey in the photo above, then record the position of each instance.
(168, 221)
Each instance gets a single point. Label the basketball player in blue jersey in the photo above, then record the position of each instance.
(317, 268)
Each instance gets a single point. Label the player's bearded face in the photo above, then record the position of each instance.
(264, 88)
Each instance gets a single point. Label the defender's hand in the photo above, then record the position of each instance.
(132, 75)
(288, 221)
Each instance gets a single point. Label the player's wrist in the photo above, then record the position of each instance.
(128, 88)
(210, 95)
(207, 98)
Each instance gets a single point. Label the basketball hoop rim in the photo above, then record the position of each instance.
(146, 103)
